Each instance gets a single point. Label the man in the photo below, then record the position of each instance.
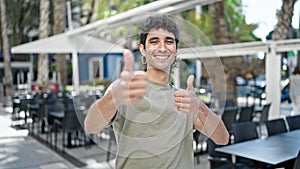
(152, 120)
(295, 90)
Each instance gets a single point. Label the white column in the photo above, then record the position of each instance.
(198, 73)
(75, 71)
(176, 74)
(273, 77)
(29, 81)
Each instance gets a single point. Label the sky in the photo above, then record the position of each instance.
(263, 12)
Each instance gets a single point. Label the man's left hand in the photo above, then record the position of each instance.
(186, 100)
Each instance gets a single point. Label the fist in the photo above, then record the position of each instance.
(186, 100)
(131, 87)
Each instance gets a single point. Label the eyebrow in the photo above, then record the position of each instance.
(167, 38)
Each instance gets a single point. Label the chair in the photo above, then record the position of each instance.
(33, 107)
(244, 131)
(276, 126)
(227, 103)
(199, 140)
(297, 162)
(111, 141)
(246, 113)
(264, 115)
(218, 160)
(70, 124)
(293, 122)
(229, 117)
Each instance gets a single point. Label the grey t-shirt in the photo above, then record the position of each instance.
(152, 133)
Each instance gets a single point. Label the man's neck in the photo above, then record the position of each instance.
(158, 76)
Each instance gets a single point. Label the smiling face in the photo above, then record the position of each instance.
(159, 50)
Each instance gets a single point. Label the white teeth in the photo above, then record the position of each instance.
(162, 57)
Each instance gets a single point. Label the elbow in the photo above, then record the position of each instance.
(223, 139)
(90, 127)
(87, 128)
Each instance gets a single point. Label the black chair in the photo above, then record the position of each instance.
(23, 107)
(244, 131)
(71, 125)
(228, 103)
(199, 148)
(229, 117)
(218, 160)
(297, 162)
(264, 115)
(246, 113)
(51, 117)
(32, 108)
(111, 141)
(276, 126)
(293, 122)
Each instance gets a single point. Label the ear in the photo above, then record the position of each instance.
(142, 50)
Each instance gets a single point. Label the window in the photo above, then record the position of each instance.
(95, 68)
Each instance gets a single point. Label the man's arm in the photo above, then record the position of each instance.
(211, 125)
(131, 87)
(100, 114)
(207, 122)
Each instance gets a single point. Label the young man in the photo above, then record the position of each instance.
(153, 121)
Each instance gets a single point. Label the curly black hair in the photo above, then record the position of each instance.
(157, 22)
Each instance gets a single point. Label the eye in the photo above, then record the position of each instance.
(153, 41)
(169, 41)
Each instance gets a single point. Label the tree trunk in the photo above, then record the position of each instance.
(220, 28)
(6, 54)
(43, 60)
(59, 27)
(223, 82)
(283, 27)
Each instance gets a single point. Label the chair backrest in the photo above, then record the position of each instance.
(227, 103)
(246, 113)
(265, 113)
(297, 162)
(293, 122)
(215, 157)
(23, 104)
(229, 117)
(70, 121)
(244, 131)
(276, 126)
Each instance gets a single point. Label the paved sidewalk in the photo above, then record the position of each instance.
(18, 150)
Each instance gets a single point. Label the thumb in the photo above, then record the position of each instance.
(190, 82)
(128, 61)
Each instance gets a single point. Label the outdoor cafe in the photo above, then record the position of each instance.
(56, 118)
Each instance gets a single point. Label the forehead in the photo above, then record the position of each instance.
(160, 33)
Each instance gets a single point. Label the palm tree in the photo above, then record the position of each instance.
(22, 17)
(283, 26)
(5, 43)
(59, 27)
(43, 60)
(221, 14)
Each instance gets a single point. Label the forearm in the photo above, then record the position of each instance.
(100, 114)
(211, 125)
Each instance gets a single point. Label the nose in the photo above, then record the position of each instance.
(162, 46)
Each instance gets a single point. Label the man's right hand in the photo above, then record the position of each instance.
(131, 87)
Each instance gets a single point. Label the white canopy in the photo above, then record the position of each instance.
(66, 44)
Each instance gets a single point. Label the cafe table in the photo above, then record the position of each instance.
(272, 150)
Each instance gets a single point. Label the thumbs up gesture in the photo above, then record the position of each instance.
(131, 87)
(186, 100)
